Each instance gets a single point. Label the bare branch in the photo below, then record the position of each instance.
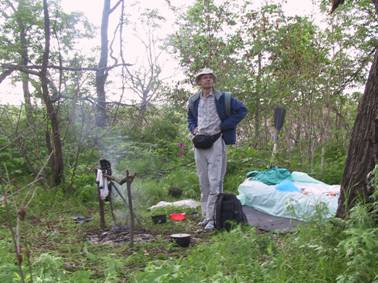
(335, 4)
(111, 44)
(36, 179)
(11, 6)
(120, 104)
(83, 98)
(115, 6)
(21, 68)
(27, 69)
(5, 74)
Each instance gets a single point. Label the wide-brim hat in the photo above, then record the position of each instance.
(205, 71)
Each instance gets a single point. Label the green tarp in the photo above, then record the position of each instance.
(272, 176)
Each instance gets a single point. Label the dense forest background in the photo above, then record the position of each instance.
(51, 144)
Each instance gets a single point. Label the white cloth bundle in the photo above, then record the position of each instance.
(185, 203)
(102, 182)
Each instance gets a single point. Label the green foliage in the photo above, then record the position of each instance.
(199, 46)
(241, 160)
(328, 251)
(8, 269)
(87, 193)
(184, 178)
(334, 162)
(12, 160)
(374, 182)
(149, 192)
(221, 261)
(360, 247)
(322, 251)
(49, 268)
(151, 150)
(152, 191)
(84, 185)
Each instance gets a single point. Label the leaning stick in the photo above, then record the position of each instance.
(129, 180)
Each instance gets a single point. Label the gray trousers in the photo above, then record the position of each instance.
(211, 168)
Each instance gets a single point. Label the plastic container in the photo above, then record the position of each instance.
(159, 219)
(177, 216)
(183, 240)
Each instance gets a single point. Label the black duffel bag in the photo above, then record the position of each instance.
(204, 141)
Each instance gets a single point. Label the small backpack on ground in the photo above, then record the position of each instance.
(228, 210)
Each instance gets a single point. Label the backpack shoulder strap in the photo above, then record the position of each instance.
(191, 100)
(239, 213)
(218, 211)
(227, 103)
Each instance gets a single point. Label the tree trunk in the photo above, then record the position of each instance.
(24, 57)
(25, 76)
(362, 153)
(58, 167)
(101, 73)
(375, 2)
(257, 100)
(50, 150)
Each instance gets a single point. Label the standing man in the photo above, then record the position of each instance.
(212, 120)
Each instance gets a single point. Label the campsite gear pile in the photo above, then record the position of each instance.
(282, 193)
(228, 211)
(228, 207)
(178, 216)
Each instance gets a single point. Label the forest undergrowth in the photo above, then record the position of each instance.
(56, 248)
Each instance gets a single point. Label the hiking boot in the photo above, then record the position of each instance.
(204, 222)
(209, 226)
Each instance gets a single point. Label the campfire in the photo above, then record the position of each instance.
(114, 236)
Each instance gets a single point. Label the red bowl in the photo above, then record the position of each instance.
(177, 216)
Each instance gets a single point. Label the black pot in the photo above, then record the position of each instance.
(183, 240)
(159, 219)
